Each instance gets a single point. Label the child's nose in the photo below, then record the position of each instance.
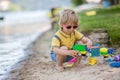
(72, 29)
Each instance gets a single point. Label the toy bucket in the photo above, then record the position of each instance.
(106, 3)
(95, 50)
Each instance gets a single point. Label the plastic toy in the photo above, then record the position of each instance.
(95, 50)
(81, 48)
(84, 51)
(91, 13)
(115, 64)
(109, 60)
(111, 51)
(92, 61)
(71, 62)
(117, 58)
(106, 52)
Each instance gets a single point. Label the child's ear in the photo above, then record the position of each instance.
(61, 27)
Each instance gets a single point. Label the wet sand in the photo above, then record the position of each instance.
(38, 66)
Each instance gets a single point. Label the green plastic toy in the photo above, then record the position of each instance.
(81, 48)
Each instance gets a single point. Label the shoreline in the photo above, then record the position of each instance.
(35, 27)
(32, 52)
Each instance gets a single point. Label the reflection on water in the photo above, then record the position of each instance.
(17, 31)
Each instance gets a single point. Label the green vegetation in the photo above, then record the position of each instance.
(108, 19)
(78, 2)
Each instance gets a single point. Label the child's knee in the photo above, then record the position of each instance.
(64, 48)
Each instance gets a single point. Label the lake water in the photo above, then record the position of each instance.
(16, 39)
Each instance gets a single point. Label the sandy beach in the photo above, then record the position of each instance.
(38, 66)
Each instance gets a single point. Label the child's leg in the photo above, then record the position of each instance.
(78, 60)
(60, 59)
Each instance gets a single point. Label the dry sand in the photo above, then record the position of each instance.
(38, 66)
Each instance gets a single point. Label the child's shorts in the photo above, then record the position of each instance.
(53, 57)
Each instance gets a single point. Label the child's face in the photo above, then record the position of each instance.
(69, 28)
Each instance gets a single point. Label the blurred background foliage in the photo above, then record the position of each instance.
(78, 2)
(105, 18)
(14, 7)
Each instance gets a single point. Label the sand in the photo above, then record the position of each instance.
(38, 66)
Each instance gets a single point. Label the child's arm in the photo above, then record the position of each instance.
(59, 51)
(82, 39)
(87, 41)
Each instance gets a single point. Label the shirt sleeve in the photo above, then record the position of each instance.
(78, 35)
(55, 42)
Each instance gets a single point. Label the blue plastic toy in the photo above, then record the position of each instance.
(111, 51)
(95, 50)
(115, 64)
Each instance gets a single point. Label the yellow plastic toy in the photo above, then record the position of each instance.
(104, 52)
(83, 52)
(91, 13)
(103, 49)
(70, 64)
(92, 61)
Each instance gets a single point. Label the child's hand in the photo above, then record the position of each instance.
(87, 41)
(89, 44)
(73, 53)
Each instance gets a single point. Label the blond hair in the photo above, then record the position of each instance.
(68, 16)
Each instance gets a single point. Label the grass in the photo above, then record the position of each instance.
(106, 18)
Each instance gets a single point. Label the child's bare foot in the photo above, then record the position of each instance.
(60, 68)
(80, 65)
